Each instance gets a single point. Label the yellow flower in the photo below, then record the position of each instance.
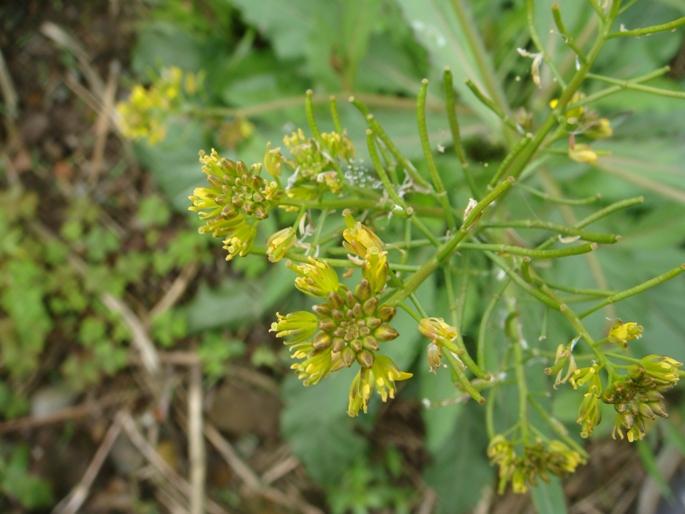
(621, 333)
(572, 116)
(583, 153)
(375, 269)
(279, 243)
(381, 376)
(358, 238)
(295, 327)
(315, 277)
(437, 330)
(240, 241)
(582, 376)
(589, 414)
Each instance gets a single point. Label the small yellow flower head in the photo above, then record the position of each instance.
(272, 161)
(560, 459)
(437, 330)
(337, 145)
(331, 180)
(381, 376)
(145, 112)
(315, 277)
(656, 372)
(235, 198)
(621, 333)
(358, 238)
(375, 269)
(315, 367)
(589, 414)
(295, 327)
(583, 153)
(279, 243)
(582, 376)
(240, 241)
(573, 116)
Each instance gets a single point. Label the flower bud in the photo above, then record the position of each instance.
(437, 330)
(583, 153)
(315, 277)
(279, 243)
(359, 238)
(375, 269)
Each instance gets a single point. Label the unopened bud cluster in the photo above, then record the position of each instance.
(234, 201)
(536, 460)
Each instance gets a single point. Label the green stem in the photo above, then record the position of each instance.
(309, 113)
(453, 120)
(448, 248)
(558, 199)
(468, 26)
(615, 89)
(428, 153)
(389, 144)
(530, 18)
(565, 34)
(461, 379)
(626, 84)
(335, 116)
(516, 336)
(622, 295)
(557, 427)
(596, 237)
(646, 31)
(484, 320)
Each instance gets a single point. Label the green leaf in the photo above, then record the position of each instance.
(459, 471)
(317, 428)
(437, 28)
(173, 162)
(237, 302)
(548, 497)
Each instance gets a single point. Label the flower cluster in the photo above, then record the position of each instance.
(316, 163)
(580, 120)
(637, 396)
(236, 199)
(348, 326)
(143, 115)
(536, 461)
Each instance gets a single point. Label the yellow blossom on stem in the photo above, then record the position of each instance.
(240, 241)
(381, 376)
(358, 238)
(279, 243)
(621, 333)
(437, 330)
(315, 277)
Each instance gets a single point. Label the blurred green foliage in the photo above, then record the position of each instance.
(255, 53)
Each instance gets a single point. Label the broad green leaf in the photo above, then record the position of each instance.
(237, 302)
(460, 472)
(548, 497)
(317, 428)
(436, 26)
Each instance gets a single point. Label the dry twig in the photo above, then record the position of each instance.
(74, 500)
